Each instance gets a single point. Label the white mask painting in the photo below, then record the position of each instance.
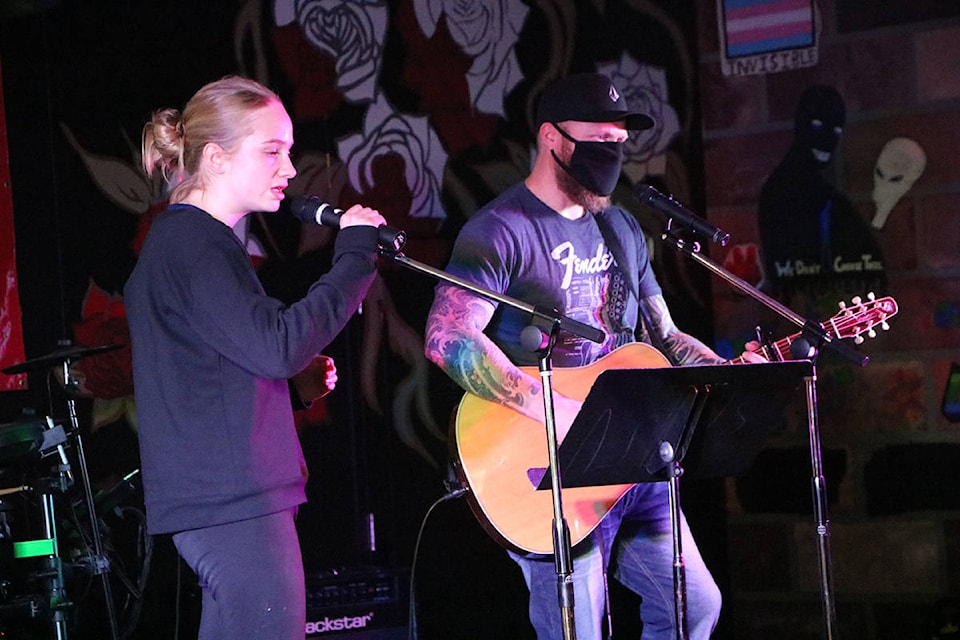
(900, 163)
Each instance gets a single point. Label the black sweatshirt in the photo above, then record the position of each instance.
(211, 357)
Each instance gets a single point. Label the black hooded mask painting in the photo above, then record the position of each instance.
(812, 238)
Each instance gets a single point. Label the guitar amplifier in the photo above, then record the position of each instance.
(357, 604)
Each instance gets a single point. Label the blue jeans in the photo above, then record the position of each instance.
(251, 576)
(635, 538)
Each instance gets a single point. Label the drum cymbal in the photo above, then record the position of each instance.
(20, 439)
(67, 354)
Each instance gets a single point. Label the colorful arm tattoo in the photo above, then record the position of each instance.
(456, 343)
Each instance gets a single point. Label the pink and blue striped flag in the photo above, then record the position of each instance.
(753, 27)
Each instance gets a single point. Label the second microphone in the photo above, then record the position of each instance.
(680, 214)
(313, 209)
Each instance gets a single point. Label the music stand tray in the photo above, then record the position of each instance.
(637, 425)
(716, 419)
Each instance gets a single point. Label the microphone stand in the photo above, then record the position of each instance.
(561, 532)
(557, 322)
(815, 338)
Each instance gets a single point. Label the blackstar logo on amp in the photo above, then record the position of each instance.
(339, 624)
(367, 603)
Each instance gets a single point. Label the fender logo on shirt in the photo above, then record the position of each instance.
(565, 254)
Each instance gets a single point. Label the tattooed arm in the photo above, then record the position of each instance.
(682, 348)
(456, 343)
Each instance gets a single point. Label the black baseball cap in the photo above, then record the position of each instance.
(588, 97)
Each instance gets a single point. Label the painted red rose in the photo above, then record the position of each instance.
(104, 322)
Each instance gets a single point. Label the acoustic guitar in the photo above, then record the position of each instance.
(498, 450)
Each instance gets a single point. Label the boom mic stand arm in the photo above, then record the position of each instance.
(812, 331)
(540, 315)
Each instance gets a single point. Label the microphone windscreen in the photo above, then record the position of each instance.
(300, 207)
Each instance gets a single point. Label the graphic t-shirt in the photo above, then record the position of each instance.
(519, 247)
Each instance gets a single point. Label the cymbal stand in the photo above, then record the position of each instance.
(100, 564)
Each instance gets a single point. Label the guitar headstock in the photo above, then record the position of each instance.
(860, 317)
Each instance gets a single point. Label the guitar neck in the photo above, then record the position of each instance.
(778, 351)
(851, 322)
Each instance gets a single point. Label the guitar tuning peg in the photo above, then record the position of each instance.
(858, 339)
(872, 333)
(856, 300)
(871, 296)
(885, 325)
(842, 304)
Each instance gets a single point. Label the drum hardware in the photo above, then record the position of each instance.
(110, 501)
(65, 354)
(41, 579)
(51, 441)
(44, 439)
(11, 603)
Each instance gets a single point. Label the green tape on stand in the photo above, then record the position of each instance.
(34, 548)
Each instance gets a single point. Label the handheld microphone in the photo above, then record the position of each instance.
(673, 209)
(313, 209)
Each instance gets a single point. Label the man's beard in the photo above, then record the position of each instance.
(579, 194)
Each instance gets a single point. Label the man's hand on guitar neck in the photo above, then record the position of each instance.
(753, 353)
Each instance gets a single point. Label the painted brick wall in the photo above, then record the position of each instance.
(892, 459)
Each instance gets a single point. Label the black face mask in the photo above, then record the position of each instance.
(595, 165)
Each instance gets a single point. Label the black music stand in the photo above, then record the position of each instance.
(637, 425)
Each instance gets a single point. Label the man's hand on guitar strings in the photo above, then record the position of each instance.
(752, 353)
